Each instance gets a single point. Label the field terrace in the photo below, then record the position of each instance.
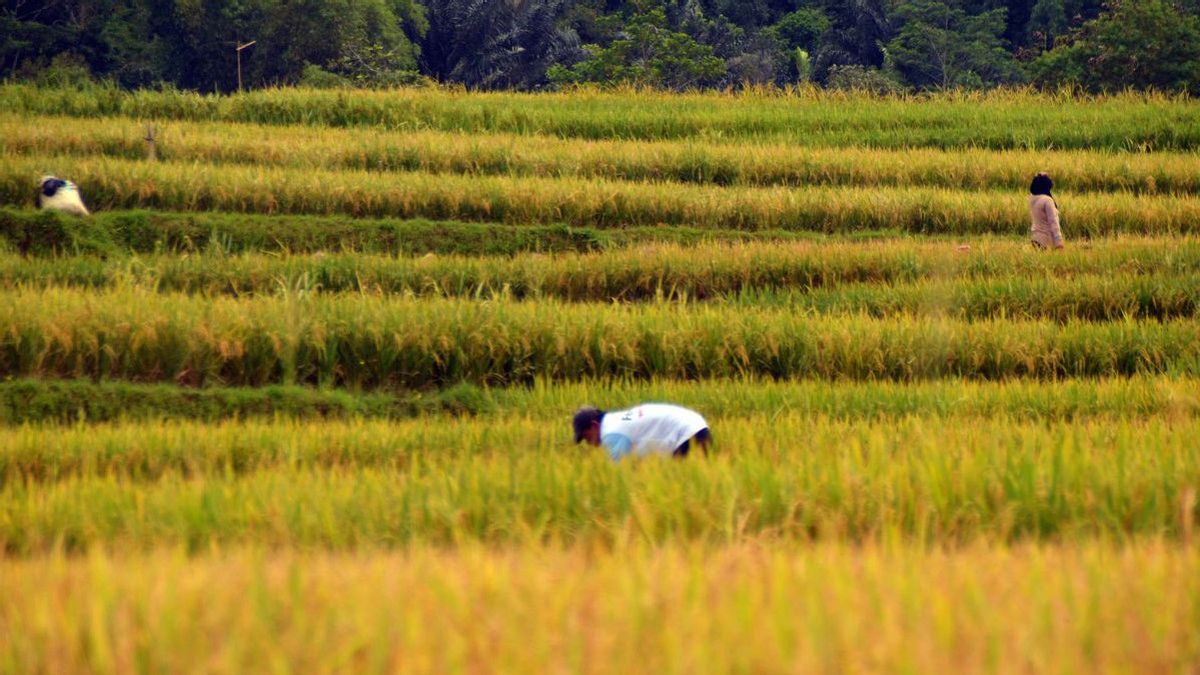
(297, 393)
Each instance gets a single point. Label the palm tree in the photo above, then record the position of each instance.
(495, 44)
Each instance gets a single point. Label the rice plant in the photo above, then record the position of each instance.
(716, 161)
(308, 412)
(119, 183)
(85, 401)
(1112, 280)
(518, 480)
(1094, 607)
(372, 342)
(955, 120)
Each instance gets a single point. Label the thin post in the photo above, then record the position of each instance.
(239, 49)
(151, 151)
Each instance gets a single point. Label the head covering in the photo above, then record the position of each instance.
(1042, 185)
(585, 417)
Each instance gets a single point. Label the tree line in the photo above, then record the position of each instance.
(879, 45)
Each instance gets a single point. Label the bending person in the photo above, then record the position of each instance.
(1043, 211)
(648, 429)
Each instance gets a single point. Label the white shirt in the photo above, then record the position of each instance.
(651, 428)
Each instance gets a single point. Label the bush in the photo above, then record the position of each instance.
(802, 28)
(316, 77)
(859, 78)
(462, 400)
(65, 70)
(48, 233)
(1148, 44)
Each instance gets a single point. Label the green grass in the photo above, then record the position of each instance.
(1089, 298)
(309, 412)
(83, 401)
(718, 161)
(119, 183)
(998, 120)
(368, 342)
(116, 232)
(79, 401)
(1092, 607)
(141, 231)
(520, 480)
(1132, 281)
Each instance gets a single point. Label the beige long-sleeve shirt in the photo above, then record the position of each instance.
(1045, 229)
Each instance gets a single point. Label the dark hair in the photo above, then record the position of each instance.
(584, 418)
(1041, 185)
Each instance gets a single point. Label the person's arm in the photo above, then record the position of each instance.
(617, 445)
(1052, 218)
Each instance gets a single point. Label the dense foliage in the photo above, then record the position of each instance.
(883, 45)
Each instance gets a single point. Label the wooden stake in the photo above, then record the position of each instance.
(239, 49)
(151, 150)
(1187, 511)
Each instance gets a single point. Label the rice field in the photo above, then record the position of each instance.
(743, 607)
(1000, 120)
(296, 397)
(117, 183)
(762, 162)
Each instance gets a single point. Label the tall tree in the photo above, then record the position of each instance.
(860, 30)
(648, 53)
(1136, 44)
(802, 28)
(38, 30)
(496, 43)
(514, 43)
(1047, 22)
(136, 55)
(362, 40)
(940, 46)
(23, 37)
(199, 37)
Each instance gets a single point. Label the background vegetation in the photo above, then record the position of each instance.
(876, 45)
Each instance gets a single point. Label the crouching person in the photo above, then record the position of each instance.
(648, 429)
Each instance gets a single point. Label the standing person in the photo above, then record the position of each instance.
(648, 429)
(1043, 211)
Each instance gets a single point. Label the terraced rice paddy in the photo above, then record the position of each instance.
(297, 396)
